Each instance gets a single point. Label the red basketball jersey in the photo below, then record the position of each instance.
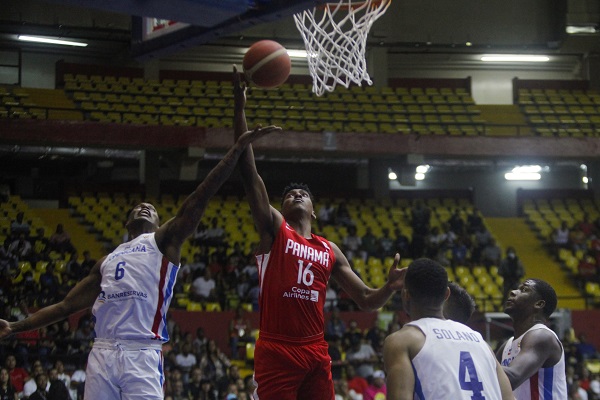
(293, 280)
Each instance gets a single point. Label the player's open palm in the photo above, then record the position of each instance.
(4, 328)
(258, 132)
(396, 275)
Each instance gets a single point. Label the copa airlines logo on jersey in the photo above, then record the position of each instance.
(302, 294)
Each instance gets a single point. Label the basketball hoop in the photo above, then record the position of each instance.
(335, 37)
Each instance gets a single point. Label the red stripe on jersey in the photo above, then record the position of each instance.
(534, 386)
(161, 297)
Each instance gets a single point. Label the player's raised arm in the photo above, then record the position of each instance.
(266, 218)
(366, 298)
(171, 235)
(81, 297)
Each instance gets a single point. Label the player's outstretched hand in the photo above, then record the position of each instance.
(239, 89)
(4, 328)
(396, 275)
(258, 132)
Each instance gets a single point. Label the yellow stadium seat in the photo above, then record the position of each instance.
(194, 306)
(212, 306)
(249, 351)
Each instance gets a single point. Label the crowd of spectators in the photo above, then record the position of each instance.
(582, 240)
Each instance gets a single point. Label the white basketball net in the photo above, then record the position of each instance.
(335, 36)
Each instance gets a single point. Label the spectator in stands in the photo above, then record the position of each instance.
(177, 391)
(585, 348)
(386, 245)
(42, 387)
(240, 331)
(577, 240)
(331, 296)
(19, 226)
(326, 215)
(214, 364)
(587, 269)
(209, 392)
(491, 254)
(60, 241)
(586, 226)
(199, 237)
(224, 383)
(8, 260)
(63, 337)
(342, 215)
(377, 387)
(7, 390)
(31, 386)
(74, 268)
(343, 392)
(194, 386)
(335, 351)
(199, 343)
(420, 218)
(22, 249)
(39, 241)
(335, 326)
(58, 390)
(482, 238)
(185, 360)
(18, 375)
(362, 355)
(63, 376)
(49, 281)
(456, 222)
(560, 237)
(203, 287)
(401, 243)
(460, 253)
(352, 244)
(86, 265)
(84, 336)
(77, 388)
(474, 221)
(356, 383)
(215, 235)
(370, 244)
(435, 242)
(511, 270)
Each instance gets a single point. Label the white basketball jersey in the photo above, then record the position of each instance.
(137, 288)
(454, 363)
(546, 383)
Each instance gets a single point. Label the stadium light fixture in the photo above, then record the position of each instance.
(297, 53)
(392, 175)
(514, 58)
(48, 40)
(582, 29)
(524, 173)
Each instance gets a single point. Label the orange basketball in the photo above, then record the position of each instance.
(267, 64)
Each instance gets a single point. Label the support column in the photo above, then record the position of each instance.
(593, 70)
(594, 178)
(377, 64)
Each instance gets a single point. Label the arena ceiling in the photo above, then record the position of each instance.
(409, 26)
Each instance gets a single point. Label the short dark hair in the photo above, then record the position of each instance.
(301, 186)
(460, 305)
(426, 280)
(547, 294)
